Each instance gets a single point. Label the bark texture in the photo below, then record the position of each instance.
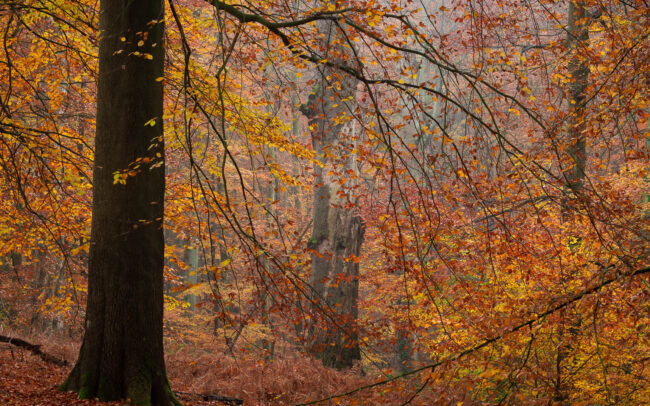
(122, 352)
(574, 172)
(337, 232)
(577, 38)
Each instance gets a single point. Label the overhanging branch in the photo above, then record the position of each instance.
(485, 343)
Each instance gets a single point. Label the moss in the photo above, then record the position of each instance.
(71, 383)
(139, 387)
(86, 389)
(170, 394)
(86, 392)
(65, 386)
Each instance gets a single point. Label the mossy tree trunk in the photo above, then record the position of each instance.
(122, 352)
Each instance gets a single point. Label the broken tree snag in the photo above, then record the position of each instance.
(35, 349)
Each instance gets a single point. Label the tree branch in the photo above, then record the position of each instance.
(484, 343)
(34, 348)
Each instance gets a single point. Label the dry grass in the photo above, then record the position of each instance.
(206, 369)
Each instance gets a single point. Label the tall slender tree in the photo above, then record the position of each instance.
(122, 352)
(577, 41)
(574, 172)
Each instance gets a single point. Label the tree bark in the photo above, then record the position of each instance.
(577, 38)
(574, 173)
(122, 352)
(191, 259)
(337, 232)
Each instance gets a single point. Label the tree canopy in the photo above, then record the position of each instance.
(448, 196)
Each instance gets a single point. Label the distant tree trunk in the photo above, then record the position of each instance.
(191, 259)
(122, 352)
(574, 173)
(404, 346)
(337, 232)
(267, 270)
(38, 285)
(577, 38)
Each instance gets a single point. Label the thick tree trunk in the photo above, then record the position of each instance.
(338, 345)
(122, 352)
(337, 232)
(336, 239)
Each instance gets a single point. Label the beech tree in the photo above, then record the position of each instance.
(122, 352)
(337, 232)
(492, 159)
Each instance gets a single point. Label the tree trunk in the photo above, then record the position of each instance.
(577, 38)
(574, 173)
(122, 352)
(337, 232)
(191, 259)
(337, 344)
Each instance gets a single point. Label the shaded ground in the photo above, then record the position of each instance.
(25, 379)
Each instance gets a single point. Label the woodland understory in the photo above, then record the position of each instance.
(388, 202)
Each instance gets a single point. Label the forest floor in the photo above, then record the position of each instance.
(26, 379)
